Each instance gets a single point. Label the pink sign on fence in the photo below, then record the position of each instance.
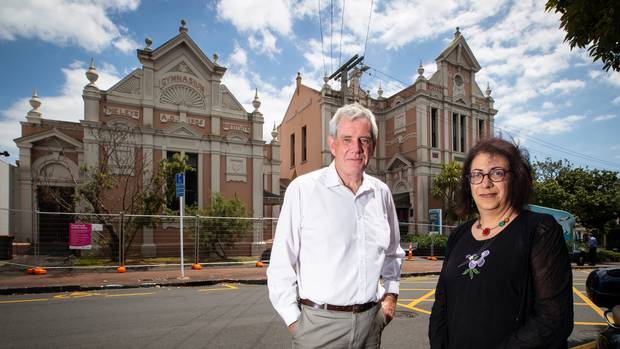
(80, 236)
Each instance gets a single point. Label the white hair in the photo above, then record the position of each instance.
(352, 112)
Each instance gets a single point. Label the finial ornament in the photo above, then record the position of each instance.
(91, 73)
(256, 102)
(148, 43)
(380, 90)
(274, 132)
(35, 102)
(488, 91)
(183, 27)
(215, 57)
(421, 68)
(34, 115)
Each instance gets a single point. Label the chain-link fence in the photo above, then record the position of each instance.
(61, 239)
(84, 240)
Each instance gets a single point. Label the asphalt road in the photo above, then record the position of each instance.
(219, 316)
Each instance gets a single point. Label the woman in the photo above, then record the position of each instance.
(506, 281)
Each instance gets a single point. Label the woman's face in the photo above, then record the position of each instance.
(490, 196)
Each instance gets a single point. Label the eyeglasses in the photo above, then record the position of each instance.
(495, 175)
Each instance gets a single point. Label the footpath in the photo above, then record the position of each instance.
(15, 280)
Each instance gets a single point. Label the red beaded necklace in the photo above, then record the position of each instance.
(486, 231)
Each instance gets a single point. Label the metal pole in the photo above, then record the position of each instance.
(182, 204)
(120, 242)
(197, 241)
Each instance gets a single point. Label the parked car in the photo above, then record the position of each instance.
(603, 289)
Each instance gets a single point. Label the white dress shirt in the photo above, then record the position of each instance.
(331, 245)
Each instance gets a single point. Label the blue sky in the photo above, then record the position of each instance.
(555, 101)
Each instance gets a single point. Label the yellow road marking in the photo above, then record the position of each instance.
(590, 345)
(77, 295)
(419, 282)
(416, 289)
(226, 287)
(129, 294)
(418, 300)
(412, 299)
(25, 300)
(583, 323)
(414, 308)
(589, 302)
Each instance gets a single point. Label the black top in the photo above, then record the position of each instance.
(511, 291)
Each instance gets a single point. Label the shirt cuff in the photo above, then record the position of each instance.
(290, 314)
(391, 286)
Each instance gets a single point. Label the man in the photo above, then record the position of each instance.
(592, 246)
(336, 235)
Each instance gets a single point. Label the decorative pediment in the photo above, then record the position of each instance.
(398, 162)
(131, 84)
(182, 68)
(459, 53)
(181, 130)
(51, 138)
(183, 40)
(53, 142)
(229, 101)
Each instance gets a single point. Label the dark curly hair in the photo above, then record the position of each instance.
(519, 181)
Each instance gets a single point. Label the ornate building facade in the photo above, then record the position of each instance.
(174, 103)
(432, 122)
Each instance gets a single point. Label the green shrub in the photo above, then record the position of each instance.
(424, 241)
(607, 256)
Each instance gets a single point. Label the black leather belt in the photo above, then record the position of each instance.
(355, 308)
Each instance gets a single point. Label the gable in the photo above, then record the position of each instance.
(229, 101)
(53, 136)
(130, 84)
(459, 53)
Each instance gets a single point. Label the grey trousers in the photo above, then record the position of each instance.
(318, 328)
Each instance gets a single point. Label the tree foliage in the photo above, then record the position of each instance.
(445, 186)
(592, 23)
(224, 224)
(592, 195)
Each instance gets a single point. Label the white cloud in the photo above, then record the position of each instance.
(255, 15)
(264, 42)
(67, 22)
(564, 86)
(548, 105)
(616, 101)
(239, 57)
(605, 117)
(67, 106)
(531, 123)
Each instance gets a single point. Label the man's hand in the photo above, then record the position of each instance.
(292, 327)
(388, 305)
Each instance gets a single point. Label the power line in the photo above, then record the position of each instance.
(368, 28)
(322, 46)
(331, 36)
(341, 27)
(565, 150)
(391, 77)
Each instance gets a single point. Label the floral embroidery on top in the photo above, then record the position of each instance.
(474, 261)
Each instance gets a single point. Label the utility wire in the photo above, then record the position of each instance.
(391, 77)
(341, 27)
(368, 28)
(322, 46)
(331, 36)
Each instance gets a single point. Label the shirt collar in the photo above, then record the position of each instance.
(332, 179)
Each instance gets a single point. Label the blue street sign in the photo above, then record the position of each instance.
(180, 184)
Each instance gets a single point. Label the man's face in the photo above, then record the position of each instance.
(352, 146)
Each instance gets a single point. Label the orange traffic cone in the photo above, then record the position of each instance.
(121, 269)
(410, 253)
